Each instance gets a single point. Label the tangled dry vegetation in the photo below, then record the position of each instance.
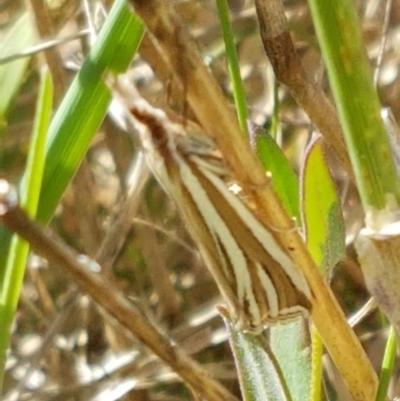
(63, 346)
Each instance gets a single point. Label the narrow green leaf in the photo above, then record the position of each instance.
(86, 102)
(13, 274)
(233, 64)
(388, 365)
(340, 37)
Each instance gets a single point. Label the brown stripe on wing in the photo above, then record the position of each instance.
(163, 136)
(211, 251)
(289, 294)
(252, 322)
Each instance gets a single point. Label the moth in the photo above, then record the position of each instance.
(257, 278)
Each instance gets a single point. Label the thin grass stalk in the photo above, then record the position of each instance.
(388, 363)
(13, 275)
(234, 66)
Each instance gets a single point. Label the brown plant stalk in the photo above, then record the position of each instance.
(290, 71)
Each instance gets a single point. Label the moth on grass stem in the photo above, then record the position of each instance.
(257, 278)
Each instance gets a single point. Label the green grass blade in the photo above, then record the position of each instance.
(85, 104)
(233, 64)
(12, 277)
(339, 34)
